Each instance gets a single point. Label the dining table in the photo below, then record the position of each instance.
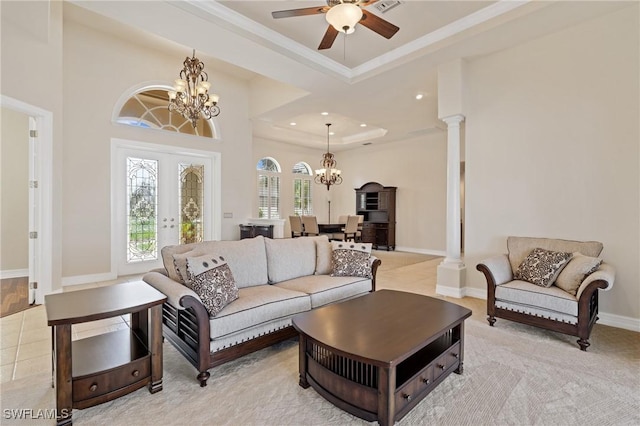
(331, 228)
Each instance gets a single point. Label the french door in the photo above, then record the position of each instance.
(162, 198)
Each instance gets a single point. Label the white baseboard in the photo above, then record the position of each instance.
(14, 273)
(619, 321)
(86, 279)
(422, 251)
(442, 290)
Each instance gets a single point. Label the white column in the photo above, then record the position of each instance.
(453, 189)
(451, 272)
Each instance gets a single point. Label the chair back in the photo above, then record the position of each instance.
(343, 219)
(296, 226)
(352, 225)
(310, 224)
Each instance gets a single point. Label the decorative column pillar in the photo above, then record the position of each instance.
(451, 272)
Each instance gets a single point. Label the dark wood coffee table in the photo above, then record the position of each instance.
(378, 355)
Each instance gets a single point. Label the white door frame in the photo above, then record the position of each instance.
(41, 121)
(216, 197)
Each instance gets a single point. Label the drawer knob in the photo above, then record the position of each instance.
(442, 366)
(425, 381)
(456, 356)
(135, 373)
(406, 396)
(93, 387)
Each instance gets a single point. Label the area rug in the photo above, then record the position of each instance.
(513, 375)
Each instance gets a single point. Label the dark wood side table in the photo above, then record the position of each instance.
(98, 369)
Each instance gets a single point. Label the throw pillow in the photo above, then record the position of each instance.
(542, 267)
(350, 259)
(212, 280)
(576, 271)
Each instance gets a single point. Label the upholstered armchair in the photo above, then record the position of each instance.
(548, 283)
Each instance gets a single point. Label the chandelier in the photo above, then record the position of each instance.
(328, 174)
(190, 95)
(344, 17)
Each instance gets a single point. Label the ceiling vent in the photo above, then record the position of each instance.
(387, 5)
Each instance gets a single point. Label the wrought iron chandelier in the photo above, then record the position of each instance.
(190, 95)
(328, 175)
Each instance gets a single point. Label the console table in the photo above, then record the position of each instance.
(98, 369)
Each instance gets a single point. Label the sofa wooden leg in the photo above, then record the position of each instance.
(491, 319)
(584, 344)
(203, 377)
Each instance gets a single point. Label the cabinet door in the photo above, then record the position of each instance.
(383, 200)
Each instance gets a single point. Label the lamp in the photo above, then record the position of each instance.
(190, 95)
(328, 175)
(344, 17)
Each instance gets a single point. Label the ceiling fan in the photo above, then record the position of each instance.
(342, 16)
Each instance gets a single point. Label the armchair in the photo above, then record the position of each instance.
(572, 312)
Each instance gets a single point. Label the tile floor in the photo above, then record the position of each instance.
(25, 338)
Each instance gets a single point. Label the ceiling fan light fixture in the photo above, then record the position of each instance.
(344, 17)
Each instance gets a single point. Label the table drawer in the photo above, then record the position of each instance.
(414, 387)
(91, 386)
(448, 360)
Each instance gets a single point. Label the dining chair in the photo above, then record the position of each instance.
(350, 230)
(360, 224)
(296, 226)
(310, 224)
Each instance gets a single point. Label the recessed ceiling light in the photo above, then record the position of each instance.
(363, 125)
(292, 123)
(419, 96)
(324, 113)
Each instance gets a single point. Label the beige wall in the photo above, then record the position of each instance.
(110, 67)
(14, 190)
(552, 148)
(32, 73)
(417, 167)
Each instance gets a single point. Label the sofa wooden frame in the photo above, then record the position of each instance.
(188, 331)
(587, 311)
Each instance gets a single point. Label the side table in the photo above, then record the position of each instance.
(98, 369)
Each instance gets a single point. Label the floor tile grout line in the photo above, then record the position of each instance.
(15, 361)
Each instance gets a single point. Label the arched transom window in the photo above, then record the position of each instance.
(148, 108)
(268, 188)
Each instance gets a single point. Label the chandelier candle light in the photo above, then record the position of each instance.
(328, 175)
(190, 95)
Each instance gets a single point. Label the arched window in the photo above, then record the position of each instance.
(149, 108)
(302, 175)
(268, 188)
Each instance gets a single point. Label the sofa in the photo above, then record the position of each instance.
(275, 279)
(562, 298)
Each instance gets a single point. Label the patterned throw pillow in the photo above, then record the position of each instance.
(576, 271)
(542, 267)
(212, 280)
(350, 259)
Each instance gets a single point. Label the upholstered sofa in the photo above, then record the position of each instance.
(275, 278)
(568, 305)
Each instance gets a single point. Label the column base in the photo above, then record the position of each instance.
(451, 279)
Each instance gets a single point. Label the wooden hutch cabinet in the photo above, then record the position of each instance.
(377, 204)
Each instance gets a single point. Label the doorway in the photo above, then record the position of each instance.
(161, 197)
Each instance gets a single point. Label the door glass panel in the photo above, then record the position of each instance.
(142, 202)
(191, 203)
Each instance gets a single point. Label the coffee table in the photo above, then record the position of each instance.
(378, 355)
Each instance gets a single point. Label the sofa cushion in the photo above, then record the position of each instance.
(324, 254)
(212, 279)
(289, 258)
(325, 289)
(575, 272)
(247, 259)
(520, 247)
(542, 267)
(527, 294)
(350, 259)
(257, 305)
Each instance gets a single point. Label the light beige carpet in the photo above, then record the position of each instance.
(513, 375)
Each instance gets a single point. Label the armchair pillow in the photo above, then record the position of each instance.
(351, 259)
(575, 272)
(542, 267)
(212, 280)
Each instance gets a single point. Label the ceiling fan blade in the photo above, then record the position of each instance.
(299, 12)
(385, 28)
(329, 38)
